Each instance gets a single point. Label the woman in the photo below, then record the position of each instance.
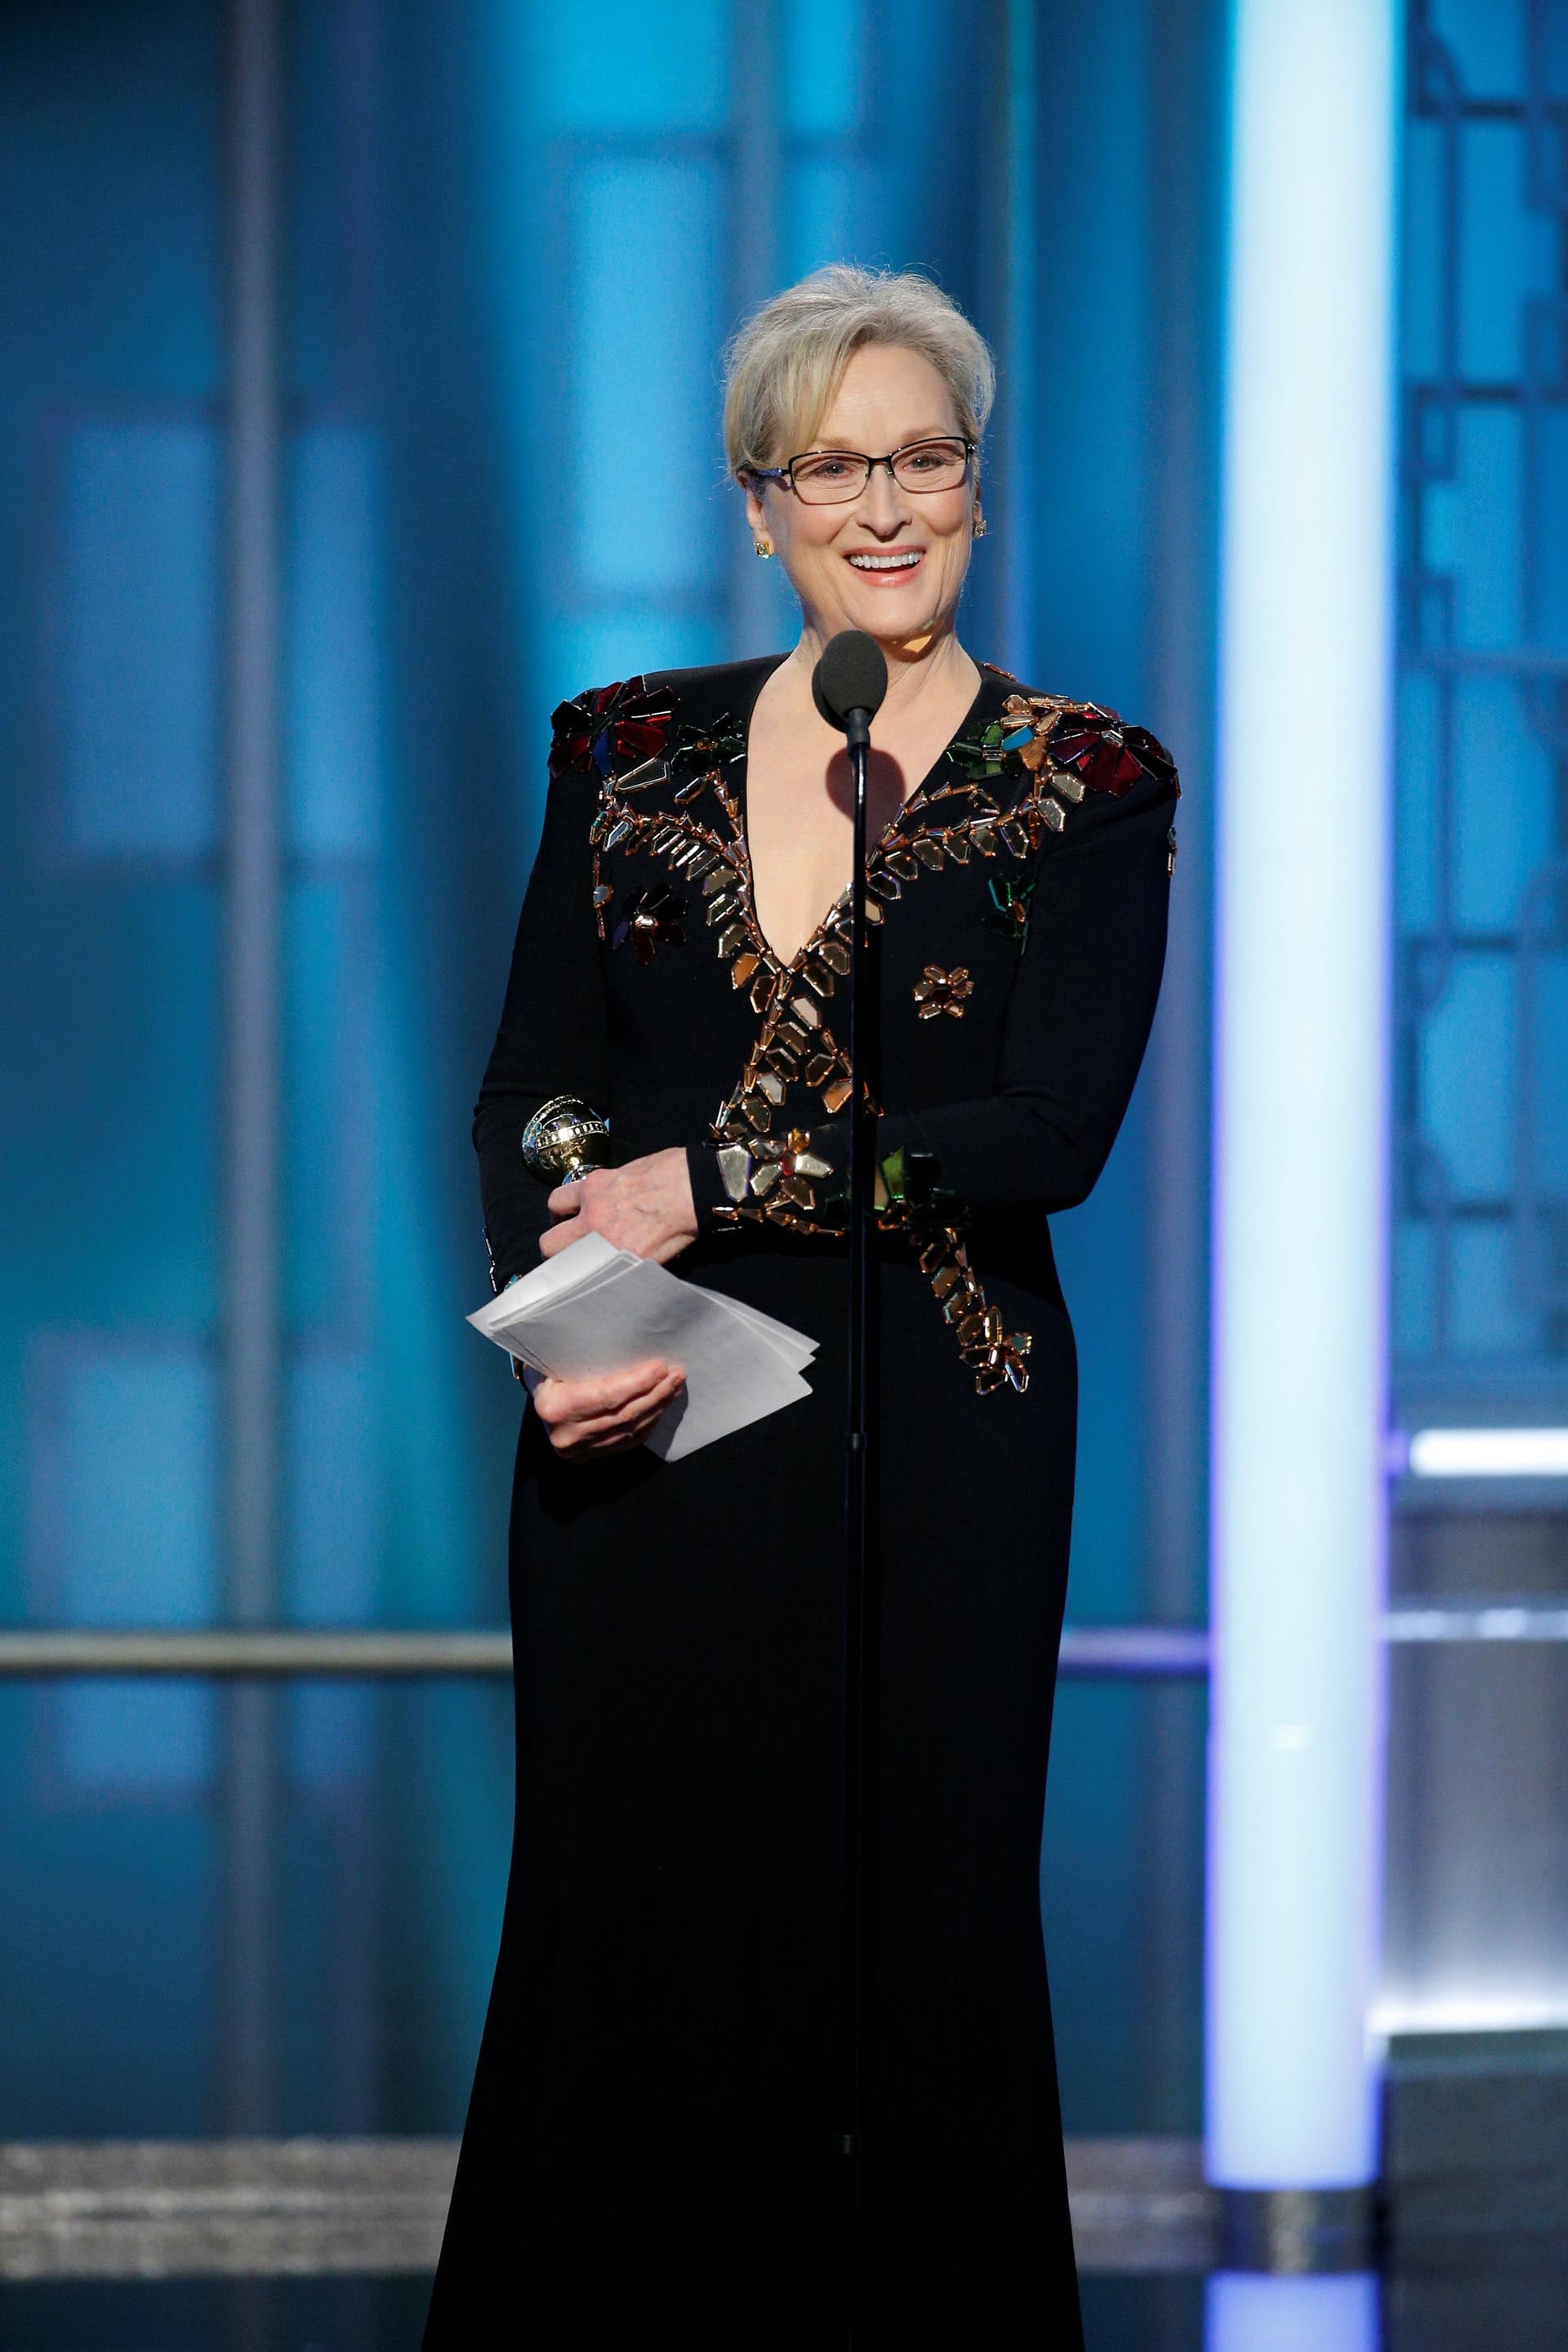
(651, 2137)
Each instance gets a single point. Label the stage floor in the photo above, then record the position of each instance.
(328, 2245)
(1147, 2312)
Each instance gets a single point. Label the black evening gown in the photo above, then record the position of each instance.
(649, 2144)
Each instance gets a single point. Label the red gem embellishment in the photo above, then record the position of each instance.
(651, 918)
(617, 727)
(1093, 745)
(1107, 756)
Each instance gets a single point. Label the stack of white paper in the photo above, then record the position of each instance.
(595, 1308)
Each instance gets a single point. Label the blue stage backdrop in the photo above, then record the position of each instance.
(515, 238)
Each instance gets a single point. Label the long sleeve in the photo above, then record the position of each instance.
(554, 1034)
(1078, 1024)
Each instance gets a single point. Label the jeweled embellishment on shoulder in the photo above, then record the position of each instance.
(616, 731)
(633, 739)
(943, 992)
(1066, 750)
(1106, 756)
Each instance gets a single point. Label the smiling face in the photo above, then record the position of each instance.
(890, 562)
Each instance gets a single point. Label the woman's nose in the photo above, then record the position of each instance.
(881, 506)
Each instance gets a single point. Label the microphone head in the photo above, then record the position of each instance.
(851, 676)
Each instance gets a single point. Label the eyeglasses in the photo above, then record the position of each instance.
(828, 478)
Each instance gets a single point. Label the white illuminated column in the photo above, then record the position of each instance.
(1290, 2315)
(1301, 1082)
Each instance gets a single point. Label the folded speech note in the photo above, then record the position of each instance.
(595, 1308)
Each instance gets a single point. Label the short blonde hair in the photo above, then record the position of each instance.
(782, 368)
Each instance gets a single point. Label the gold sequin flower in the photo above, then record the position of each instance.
(943, 992)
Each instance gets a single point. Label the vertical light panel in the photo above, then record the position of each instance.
(135, 1490)
(1244, 2314)
(824, 61)
(1302, 1061)
(647, 325)
(139, 723)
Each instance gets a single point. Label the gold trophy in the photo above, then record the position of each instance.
(564, 1139)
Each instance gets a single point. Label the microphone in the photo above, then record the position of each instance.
(850, 682)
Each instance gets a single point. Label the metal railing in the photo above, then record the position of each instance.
(1089, 1652)
(271, 1652)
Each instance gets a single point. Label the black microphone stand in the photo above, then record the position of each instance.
(858, 1536)
(847, 687)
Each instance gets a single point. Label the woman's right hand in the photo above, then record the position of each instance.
(607, 1415)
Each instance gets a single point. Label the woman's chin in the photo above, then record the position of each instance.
(891, 616)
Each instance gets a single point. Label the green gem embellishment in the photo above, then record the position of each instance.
(1010, 908)
(993, 752)
(894, 1173)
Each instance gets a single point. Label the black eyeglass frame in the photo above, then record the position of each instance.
(785, 473)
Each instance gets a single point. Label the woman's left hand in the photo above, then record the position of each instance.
(646, 1207)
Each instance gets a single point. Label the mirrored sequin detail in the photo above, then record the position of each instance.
(919, 1207)
(938, 992)
(670, 790)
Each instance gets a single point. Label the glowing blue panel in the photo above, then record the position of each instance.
(1486, 43)
(599, 650)
(647, 474)
(138, 639)
(603, 66)
(1466, 1068)
(334, 1541)
(1423, 288)
(1506, 253)
(1487, 1316)
(333, 1510)
(1546, 1032)
(138, 1488)
(1413, 1292)
(1504, 802)
(331, 1732)
(1419, 842)
(819, 215)
(1247, 2314)
(822, 41)
(1301, 1096)
(329, 1139)
(333, 672)
(1472, 530)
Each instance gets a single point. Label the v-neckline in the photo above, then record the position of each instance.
(767, 669)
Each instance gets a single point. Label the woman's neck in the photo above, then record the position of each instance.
(935, 671)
